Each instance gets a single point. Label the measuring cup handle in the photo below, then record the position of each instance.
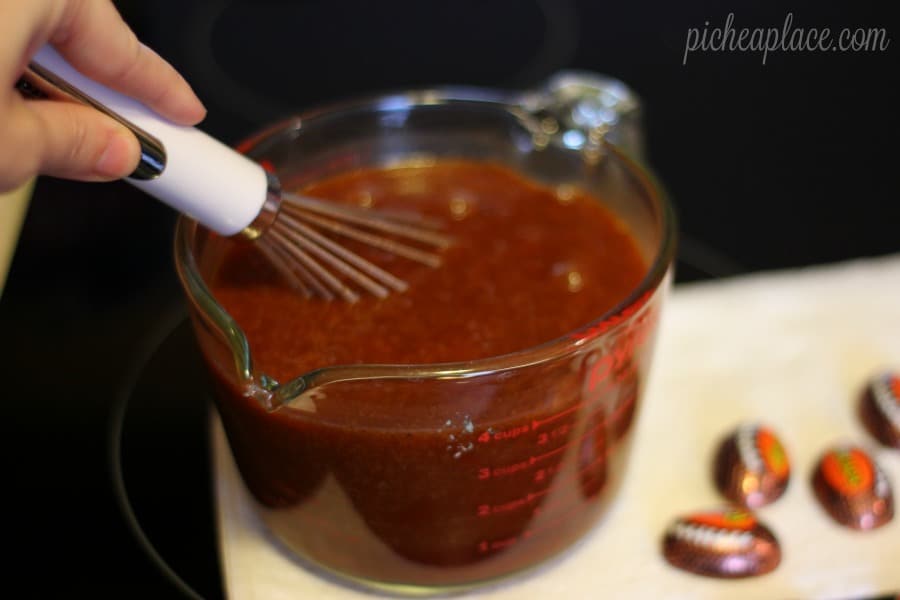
(587, 109)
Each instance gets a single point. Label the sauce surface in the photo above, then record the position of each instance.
(443, 482)
(529, 265)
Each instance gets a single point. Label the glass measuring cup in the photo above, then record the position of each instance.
(426, 478)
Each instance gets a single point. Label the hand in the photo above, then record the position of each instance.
(65, 139)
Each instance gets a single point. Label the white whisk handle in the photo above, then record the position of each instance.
(189, 170)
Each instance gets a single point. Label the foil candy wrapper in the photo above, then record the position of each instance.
(852, 488)
(879, 408)
(751, 467)
(728, 542)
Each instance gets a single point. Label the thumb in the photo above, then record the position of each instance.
(78, 142)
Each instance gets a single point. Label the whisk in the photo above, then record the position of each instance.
(234, 196)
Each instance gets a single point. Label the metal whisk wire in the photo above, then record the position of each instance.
(317, 266)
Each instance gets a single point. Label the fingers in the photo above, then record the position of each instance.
(95, 39)
(65, 140)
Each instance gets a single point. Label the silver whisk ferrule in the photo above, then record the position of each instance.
(268, 212)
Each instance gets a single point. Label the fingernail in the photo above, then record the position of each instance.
(118, 159)
(190, 109)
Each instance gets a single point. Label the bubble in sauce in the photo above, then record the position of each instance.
(566, 194)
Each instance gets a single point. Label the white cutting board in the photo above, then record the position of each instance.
(790, 349)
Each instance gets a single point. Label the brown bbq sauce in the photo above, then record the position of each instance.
(461, 491)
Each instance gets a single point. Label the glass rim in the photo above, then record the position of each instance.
(202, 298)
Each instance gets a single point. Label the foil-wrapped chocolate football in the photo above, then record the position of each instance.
(853, 489)
(879, 408)
(728, 543)
(751, 467)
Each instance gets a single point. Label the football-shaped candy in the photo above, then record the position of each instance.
(879, 408)
(751, 467)
(728, 542)
(852, 488)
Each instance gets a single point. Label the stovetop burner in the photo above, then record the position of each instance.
(256, 63)
(160, 460)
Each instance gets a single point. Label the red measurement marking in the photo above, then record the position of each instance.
(485, 473)
(535, 423)
(540, 457)
(556, 433)
(544, 473)
(600, 458)
(563, 515)
(486, 510)
(496, 545)
(506, 434)
(597, 405)
(548, 507)
(598, 413)
(610, 363)
(613, 362)
(613, 320)
(598, 425)
(624, 404)
(504, 470)
(488, 545)
(532, 496)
